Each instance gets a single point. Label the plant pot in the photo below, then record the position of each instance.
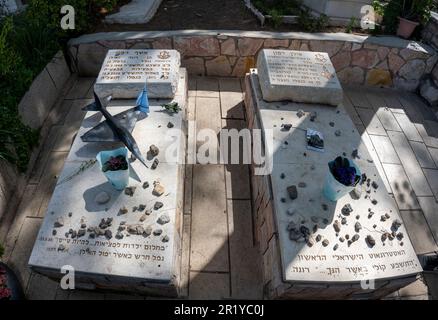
(406, 27)
(333, 190)
(119, 179)
(12, 283)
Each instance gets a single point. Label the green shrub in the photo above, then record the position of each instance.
(415, 10)
(281, 7)
(16, 139)
(310, 23)
(276, 17)
(2, 251)
(351, 25)
(27, 43)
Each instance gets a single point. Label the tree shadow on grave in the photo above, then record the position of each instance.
(245, 261)
(396, 103)
(91, 193)
(231, 96)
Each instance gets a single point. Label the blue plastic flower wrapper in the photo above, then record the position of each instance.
(333, 190)
(143, 101)
(119, 179)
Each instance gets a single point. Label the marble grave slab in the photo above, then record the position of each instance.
(329, 258)
(142, 248)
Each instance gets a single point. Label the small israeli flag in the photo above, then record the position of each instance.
(142, 100)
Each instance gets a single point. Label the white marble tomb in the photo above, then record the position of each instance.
(135, 262)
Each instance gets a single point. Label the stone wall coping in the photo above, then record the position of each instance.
(388, 41)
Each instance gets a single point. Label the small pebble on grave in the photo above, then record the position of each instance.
(163, 219)
(158, 205)
(153, 150)
(129, 191)
(155, 164)
(293, 192)
(102, 197)
(158, 189)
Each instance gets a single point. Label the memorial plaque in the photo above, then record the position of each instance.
(368, 243)
(300, 76)
(139, 249)
(124, 73)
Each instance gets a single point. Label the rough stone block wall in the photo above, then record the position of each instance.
(375, 61)
(430, 31)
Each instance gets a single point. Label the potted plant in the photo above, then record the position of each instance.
(342, 177)
(10, 288)
(413, 12)
(114, 165)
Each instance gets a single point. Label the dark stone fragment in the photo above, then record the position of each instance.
(153, 150)
(355, 154)
(293, 192)
(158, 232)
(347, 209)
(155, 164)
(158, 205)
(370, 240)
(129, 191)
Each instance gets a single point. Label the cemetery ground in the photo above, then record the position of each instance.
(203, 15)
(219, 252)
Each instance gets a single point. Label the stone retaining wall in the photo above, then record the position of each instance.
(430, 32)
(43, 92)
(34, 108)
(381, 61)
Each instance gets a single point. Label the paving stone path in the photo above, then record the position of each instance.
(220, 259)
